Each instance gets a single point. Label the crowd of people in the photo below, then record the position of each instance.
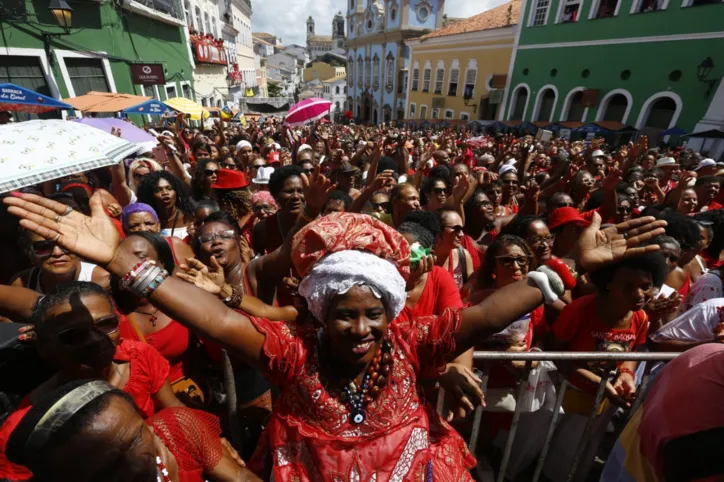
(344, 275)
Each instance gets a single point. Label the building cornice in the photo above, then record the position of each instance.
(502, 33)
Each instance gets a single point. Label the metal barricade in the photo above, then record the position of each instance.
(489, 356)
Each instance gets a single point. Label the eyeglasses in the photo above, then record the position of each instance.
(228, 234)
(440, 190)
(508, 261)
(624, 209)
(210, 172)
(457, 228)
(229, 166)
(262, 207)
(385, 206)
(257, 166)
(43, 249)
(79, 334)
(538, 240)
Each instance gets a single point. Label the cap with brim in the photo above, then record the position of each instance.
(566, 215)
(598, 153)
(230, 179)
(708, 162)
(263, 175)
(666, 162)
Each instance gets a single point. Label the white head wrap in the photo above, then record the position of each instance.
(242, 144)
(339, 272)
(304, 147)
(507, 168)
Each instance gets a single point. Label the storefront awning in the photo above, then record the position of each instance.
(105, 101)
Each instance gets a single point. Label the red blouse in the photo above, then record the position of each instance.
(149, 371)
(440, 292)
(310, 438)
(9, 470)
(171, 342)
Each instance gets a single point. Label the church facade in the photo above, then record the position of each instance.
(318, 45)
(377, 54)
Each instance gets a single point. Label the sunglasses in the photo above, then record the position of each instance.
(508, 261)
(229, 166)
(624, 209)
(43, 249)
(440, 190)
(537, 240)
(228, 234)
(210, 172)
(257, 166)
(262, 207)
(385, 206)
(138, 176)
(79, 334)
(457, 228)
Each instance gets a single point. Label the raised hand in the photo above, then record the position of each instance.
(210, 279)
(596, 248)
(93, 237)
(461, 188)
(316, 189)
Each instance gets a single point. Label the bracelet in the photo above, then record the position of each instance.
(129, 277)
(623, 370)
(568, 275)
(234, 300)
(555, 281)
(143, 280)
(541, 280)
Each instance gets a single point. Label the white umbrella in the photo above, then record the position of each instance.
(36, 151)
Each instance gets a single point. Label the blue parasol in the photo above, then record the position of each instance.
(19, 99)
(153, 107)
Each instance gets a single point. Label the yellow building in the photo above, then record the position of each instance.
(322, 71)
(460, 70)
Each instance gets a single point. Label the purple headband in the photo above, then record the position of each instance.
(137, 208)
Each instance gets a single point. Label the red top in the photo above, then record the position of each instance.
(148, 374)
(468, 244)
(684, 290)
(310, 437)
(192, 436)
(149, 371)
(581, 329)
(440, 292)
(171, 342)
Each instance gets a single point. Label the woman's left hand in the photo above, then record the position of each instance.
(597, 248)
(197, 273)
(316, 189)
(462, 390)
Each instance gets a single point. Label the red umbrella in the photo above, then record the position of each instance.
(306, 111)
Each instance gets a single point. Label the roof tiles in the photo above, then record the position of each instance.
(490, 19)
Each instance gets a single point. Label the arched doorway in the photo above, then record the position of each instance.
(367, 109)
(520, 100)
(661, 113)
(576, 108)
(387, 114)
(616, 108)
(545, 107)
(374, 116)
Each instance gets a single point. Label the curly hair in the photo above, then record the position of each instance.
(520, 225)
(487, 266)
(148, 187)
(683, 229)
(279, 176)
(236, 202)
(421, 234)
(651, 263)
(716, 218)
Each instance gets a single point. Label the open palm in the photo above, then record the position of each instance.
(596, 247)
(93, 237)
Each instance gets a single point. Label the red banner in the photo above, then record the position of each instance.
(207, 52)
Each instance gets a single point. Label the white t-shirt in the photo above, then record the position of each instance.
(696, 325)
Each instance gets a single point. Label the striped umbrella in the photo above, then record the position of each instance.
(306, 111)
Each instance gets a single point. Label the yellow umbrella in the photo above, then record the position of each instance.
(187, 106)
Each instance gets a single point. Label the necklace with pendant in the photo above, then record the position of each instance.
(152, 316)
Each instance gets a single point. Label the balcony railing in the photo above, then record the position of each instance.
(172, 8)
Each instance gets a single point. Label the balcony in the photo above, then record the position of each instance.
(167, 11)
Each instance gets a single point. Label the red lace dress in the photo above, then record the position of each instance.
(192, 436)
(310, 438)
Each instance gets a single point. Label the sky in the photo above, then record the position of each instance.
(287, 18)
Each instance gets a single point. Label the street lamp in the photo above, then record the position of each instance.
(62, 13)
(705, 68)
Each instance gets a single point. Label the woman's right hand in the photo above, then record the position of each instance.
(210, 279)
(93, 237)
(462, 390)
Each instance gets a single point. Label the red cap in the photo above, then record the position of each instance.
(566, 215)
(230, 179)
(273, 157)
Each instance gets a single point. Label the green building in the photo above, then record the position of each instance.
(95, 53)
(651, 64)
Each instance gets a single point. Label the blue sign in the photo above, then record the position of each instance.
(19, 99)
(152, 107)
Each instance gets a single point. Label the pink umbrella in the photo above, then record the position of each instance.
(308, 110)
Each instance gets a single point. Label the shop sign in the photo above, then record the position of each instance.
(148, 74)
(208, 53)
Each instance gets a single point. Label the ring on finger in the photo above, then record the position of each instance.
(68, 210)
(625, 235)
(57, 218)
(57, 236)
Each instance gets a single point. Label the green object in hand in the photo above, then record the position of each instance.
(417, 253)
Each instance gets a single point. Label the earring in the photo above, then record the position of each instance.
(492, 275)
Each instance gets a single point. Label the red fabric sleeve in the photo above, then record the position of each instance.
(435, 340)
(538, 321)
(446, 290)
(282, 347)
(9, 470)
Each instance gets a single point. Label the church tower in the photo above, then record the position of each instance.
(338, 33)
(310, 27)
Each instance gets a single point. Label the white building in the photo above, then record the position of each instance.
(209, 52)
(335, 91)
(240, 47)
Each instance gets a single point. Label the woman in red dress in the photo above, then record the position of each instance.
(77, 332)
(349, 408)
(88, 431)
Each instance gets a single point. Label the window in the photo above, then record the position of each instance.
(87, 75)
(336, 90)
(368, 72)
(470, 76)
(464, 116)
(545, 108)
(439, 75)
(616, 108)
(540, 12)
(576, 108)
(360, 71)
(661, 113)
(390, 77)
(350, 74)
(186, 91)
(415, 79)
(452, 89)
(26, 72)
(435, 113)
(401, 81)
(426, 80)
(449, 114)
(423, 112)
(604, 8)
(520, 101)
(171, 91)
(644, 6)
(570, 11)
(207, 23)
(376, 72)
(412, 111)
(214, 32)
(187, 13)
